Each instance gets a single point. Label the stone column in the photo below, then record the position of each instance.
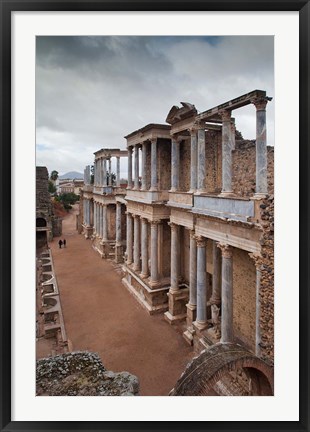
(154, 181)
(129, 186)
(175, 164)
(175, 258)
(201, 319)
(136, 246)
(193, 133)
(216, 277)
(118, 237)
(110, 172)
(192, 269)
(136, 186)
(100, 172)
(129, 239)
(95, 215)
(258, 265)
(144, 248)
(154, 253)
(226, 154)
(227, 325)
(104, 172)
(92, 213)
(118, 179)
(100, 220)
(105, 223)
(201, 180)
(233, 133)
(261, 148)
(144, 149)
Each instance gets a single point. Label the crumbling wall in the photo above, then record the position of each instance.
(244, 168)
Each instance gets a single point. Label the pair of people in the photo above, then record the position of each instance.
(62, 242)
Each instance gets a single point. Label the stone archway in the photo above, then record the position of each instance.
(225, 369)
(41, 222)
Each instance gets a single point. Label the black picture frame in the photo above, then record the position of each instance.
(6, 8)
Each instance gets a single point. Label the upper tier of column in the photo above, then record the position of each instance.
(103, 175)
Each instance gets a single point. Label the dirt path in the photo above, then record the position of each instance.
(102, 316)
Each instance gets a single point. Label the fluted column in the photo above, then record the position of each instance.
(216, 277)
(92, 213)
(175, 164)
(100, 172)
(98, 220)
(118, 237)
(136, 246)
(129, 186)
(192, 269)
(201, 319)
(118, 179)
(129, 244)
(104, 172)
(154, 252)
(261, 148)
(144, 149)
(233, 133)
(101, 220)
(110, 172)
(144, 248)
(226, 153)
(154, 181)
(104, 223)
(193, 133)
(175, 257)
(227, 325)
(201, 179)
(136, 187)
(95, 215)
(258, 265)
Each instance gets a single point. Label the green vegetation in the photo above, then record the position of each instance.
(51, 187)
(54, 175)
(67, 199)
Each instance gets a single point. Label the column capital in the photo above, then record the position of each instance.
(177, 138)
(225, 114)
(257, 258)
(153, 140)
(135, 216)
(144, 219)
(260, 103)
(226, 250)
(201, 241)
(156, 222)
(173, 226)
(130, 149)
(128, 213)
(191, 232)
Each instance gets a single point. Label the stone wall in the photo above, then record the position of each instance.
(244, 168)
(111, 221)
(267, 280)
(244, 297)
(213, 161)
(185, 165)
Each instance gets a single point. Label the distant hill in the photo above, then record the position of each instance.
(71, 175)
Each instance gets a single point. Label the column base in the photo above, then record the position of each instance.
(173, 319)
(189, 336)
(143, 275)
(259, 196)
(200, 325)
(191, 314)
(154, 284)
(226, 194)
(153, 189)
(200, 192)
(177, 300)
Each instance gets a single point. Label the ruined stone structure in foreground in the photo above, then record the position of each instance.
(199, 238)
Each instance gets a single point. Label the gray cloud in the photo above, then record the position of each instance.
(92, 91)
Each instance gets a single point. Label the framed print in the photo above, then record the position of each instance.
(177, 268)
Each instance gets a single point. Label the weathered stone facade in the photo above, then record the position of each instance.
(199, 227)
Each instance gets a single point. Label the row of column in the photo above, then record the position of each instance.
(87, 208)
(102, 175)
(138, 247)
(134, 180)
(198, 152)
(101, 221)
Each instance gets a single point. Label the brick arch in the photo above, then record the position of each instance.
(213, 364)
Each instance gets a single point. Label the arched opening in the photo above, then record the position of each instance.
(40, 222)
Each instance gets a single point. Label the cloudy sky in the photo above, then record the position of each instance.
(92, 91)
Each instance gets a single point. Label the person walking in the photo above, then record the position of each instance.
(64, 242)
(60, 244)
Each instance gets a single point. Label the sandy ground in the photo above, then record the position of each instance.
(102, 316)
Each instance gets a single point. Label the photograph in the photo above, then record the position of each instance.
(154, 215)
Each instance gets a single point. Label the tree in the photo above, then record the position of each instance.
(51, 187)
(67, 199)
(92, 177)
(54, 175)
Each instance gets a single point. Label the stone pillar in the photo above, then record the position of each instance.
(144, 248)
(160, 248)
(233, 133)
(136, 246)
(201, 180)
(129, 186)
(261, 148)
(129, 239)
(95, 215)
(110, 172)
(100, 172)
(154, 253)
(258, 266)
(104, 172)
(154, 181)
(175, 258)
(118, 228)
(201, 318)
(136, 186)
(118, 179)
(144, 149)
(101, 220)
(98, 219)
(175, 164)
(226, 154)
(105, 223)
(193, 133)
(192, 269)
(216, 277)
(227, 325)
(92, 213)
